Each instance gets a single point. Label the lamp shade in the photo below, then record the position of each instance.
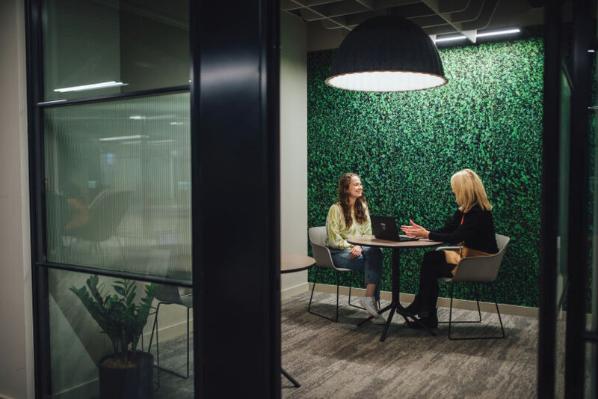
(387, 53)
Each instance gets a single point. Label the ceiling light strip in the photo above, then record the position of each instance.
(92, 86)
(483, 34)
(499, 32)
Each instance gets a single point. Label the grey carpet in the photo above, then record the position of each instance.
(339, 360)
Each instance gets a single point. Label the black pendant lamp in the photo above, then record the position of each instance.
(387, 53)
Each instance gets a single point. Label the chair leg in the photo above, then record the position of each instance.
(313, 286)
(337, 288)
(477, 299)
(502, 329)
(453, 338)
(477, 293)
(187, 375)
(312, 295)
(155, 327)
(356, 306)
(451, 312)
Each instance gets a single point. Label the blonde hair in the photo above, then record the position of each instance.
(469, 190)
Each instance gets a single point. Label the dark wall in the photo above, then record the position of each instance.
(406, 146)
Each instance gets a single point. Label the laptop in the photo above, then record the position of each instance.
(385, 228)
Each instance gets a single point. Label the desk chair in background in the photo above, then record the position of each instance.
(171, 295)
(477, 270)
(106, 213)
(323, 257)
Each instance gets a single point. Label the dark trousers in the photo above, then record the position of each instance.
(433, 267)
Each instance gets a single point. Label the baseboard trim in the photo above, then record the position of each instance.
(294, 290)
(170, 331)
(82, 390)
(442, 302)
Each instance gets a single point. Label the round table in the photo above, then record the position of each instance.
(291, 263)
(395, 305)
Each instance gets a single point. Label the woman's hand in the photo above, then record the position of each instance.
(415, 230)
(356, 251)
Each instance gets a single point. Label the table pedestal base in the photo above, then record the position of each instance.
(290, 378)
(396, 309)
(395, 306)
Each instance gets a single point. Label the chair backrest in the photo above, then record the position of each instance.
(106, 212)
(482, 268)
(172, 293)
(321, 253)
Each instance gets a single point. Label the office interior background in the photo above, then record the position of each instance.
(517, 109)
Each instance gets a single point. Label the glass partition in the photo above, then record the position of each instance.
(96, 48)
(118, 185)
(88, 360)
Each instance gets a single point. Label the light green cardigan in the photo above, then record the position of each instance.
(337, 231)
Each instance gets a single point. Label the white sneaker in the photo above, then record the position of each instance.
(370, 306)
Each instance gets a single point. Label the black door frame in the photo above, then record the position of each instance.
(578, 257)
(550, 187)
(235, 183)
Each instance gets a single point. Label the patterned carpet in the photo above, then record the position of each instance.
(339, 360)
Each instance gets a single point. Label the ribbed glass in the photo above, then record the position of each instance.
(118, 185)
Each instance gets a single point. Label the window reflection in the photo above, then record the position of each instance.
(85, 359)
(95, 48)
(118, 185)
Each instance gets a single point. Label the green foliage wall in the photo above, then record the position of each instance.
(406, 146)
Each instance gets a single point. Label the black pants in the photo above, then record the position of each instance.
(433, 267)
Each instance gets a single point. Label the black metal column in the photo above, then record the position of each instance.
(550, 187)
(235, 179)
(578, 256)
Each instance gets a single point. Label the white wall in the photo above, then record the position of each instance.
(16, 339)
(293, 146)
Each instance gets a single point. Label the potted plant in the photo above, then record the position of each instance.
(125, 373)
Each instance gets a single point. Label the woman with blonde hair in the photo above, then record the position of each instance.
(472, 226)
(349, 217)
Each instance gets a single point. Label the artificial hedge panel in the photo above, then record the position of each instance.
(406, 146)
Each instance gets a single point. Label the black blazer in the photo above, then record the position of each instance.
(476, 231)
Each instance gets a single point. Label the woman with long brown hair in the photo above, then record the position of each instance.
(349, 217)
(472, 226)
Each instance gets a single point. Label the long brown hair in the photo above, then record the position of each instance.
(343, 199)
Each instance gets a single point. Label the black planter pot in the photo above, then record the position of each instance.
(134, 381)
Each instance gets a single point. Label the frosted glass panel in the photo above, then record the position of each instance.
(118, 189)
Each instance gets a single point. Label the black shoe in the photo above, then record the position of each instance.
(425, 320)
(414, 308)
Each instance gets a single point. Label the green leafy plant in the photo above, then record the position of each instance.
(118, 315)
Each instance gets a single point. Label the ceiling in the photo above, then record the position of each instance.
(329, 21)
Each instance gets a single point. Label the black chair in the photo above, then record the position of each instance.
(171, 295)
(106, 213)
